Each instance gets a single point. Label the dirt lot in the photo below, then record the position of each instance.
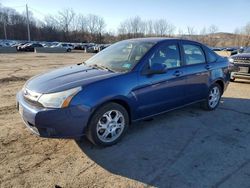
(184, 148)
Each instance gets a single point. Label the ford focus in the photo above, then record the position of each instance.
(129, 81)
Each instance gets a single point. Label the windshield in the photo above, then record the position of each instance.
(121, 56)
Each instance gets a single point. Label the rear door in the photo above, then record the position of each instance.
(196, 70)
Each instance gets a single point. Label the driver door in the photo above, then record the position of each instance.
(161, 92)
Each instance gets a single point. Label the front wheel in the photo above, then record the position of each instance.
(213, 99)
(108, 124)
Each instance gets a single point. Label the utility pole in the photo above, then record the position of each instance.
(28, 22)
(4, 28)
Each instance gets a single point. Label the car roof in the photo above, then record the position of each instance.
(160, 39)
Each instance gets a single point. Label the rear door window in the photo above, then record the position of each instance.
(211, 56)
(193, 54)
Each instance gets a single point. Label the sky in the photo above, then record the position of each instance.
(226, 14)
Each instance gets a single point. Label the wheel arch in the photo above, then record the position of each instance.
(221, 83)
(117, 100)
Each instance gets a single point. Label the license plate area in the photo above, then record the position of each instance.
(244, 69)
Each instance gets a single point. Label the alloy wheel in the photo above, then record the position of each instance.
(214, 97)
(110, 126)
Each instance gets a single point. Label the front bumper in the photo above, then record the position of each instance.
(241, 71)
(54, 123)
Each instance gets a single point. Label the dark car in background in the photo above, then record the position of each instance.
(30, 47)
(241, 62)
(20, 45)
(129, 81)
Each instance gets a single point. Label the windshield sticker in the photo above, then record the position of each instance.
(127, 65)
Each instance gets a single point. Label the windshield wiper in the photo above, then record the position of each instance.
(101, 67)
(83, 63)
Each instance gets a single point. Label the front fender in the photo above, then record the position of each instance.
(116, 88)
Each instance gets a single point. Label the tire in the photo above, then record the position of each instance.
(103, 128)
(68, 50)
(213, 98)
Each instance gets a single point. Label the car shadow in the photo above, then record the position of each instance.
(182, 148)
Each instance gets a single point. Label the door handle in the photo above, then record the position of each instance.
(208, 67)
(177, 73)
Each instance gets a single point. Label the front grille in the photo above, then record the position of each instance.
(31, 97)
(33, 103)
(242, 61)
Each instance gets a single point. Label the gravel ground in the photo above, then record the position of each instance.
(183, 148)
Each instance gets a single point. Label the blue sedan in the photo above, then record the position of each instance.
(129, 81)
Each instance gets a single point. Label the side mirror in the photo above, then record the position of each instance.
(156, 68)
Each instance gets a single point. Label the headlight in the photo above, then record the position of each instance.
(231, 60)
(58, 100)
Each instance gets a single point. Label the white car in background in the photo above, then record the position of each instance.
(67, 46)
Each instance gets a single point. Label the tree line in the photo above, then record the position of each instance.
(68, 26)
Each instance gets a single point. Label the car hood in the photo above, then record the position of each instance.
(243, 55)
(66, 78)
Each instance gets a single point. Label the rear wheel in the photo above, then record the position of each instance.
(213, 98)
(108, 124)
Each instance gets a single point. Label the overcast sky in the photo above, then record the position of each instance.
(226, 14)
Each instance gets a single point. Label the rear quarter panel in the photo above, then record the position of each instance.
(220, 71)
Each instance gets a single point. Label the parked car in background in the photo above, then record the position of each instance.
(92, 48)
(241, 62)
(129, 81)
(67, 46)
(230, 49)
(20, 45)
(30, 47)
(81, 46)
(217, 49)
(103, 46)
(78, 47)
(5, 43)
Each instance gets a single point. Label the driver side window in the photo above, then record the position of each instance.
(168, 55)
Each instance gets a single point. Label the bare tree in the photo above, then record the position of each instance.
(65, 19)
(247, 34)
(91, 23)
(95, 26)
(190, 30)
(81, 23)
(100, 29)
(100, 25)
(133, 27)
(149, 28)
(170, 30)
(180, 33)
(50, 21)
(203, 35)
(212, 30)
(239, 37)
(136, 26)
(161, 27)
(191, 33)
